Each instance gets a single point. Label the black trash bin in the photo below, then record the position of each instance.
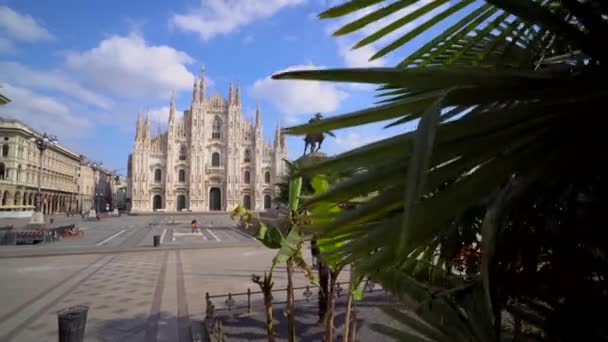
(72, 322)
(156, 240)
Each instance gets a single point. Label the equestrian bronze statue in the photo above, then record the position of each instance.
(314, 140)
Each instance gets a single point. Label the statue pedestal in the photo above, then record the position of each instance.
(37, 218)
(311, 158)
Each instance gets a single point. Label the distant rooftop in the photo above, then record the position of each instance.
(28, 129)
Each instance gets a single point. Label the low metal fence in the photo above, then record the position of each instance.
(231, 304)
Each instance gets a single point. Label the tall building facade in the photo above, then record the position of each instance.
(68, 183)
(210, 159)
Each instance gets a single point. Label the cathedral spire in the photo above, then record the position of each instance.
(258, 117)
(277, 136)
(202, 93)
(230, 94)
(147, 126)
(195, 92)
(282, 138)
(238, 93)
(172, 109)
(139, 128)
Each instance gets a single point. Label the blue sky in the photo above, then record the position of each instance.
(82, 69)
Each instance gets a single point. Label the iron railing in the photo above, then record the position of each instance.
(231, 304)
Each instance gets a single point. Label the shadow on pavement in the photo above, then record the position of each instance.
(138, 328)
(239, 326)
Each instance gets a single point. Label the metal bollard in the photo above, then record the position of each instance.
(248, 300)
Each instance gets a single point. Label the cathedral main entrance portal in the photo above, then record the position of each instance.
(157, 202)
(215, 199)
(181, 202)
(247, 202)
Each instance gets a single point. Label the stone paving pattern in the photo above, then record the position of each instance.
(146, 296)
(151, 295)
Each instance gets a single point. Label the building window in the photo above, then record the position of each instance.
(2, 171)
(182, 152)
(215, 132)
(267, 177)
(182, 176)
(5, 150)
(157, 175)
(215, 159)
(267, 201)
(247, 156)
(19, 173)
(247, 177)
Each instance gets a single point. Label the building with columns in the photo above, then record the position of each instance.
(210, 159)
(68, 181)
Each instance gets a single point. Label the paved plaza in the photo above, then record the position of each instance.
(137, 292)
(135, 233)
(140, 296)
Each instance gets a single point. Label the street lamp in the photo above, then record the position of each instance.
(42, 143)
(116, 179)
(94, 210)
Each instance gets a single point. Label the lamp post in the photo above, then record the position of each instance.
(116, 178)
(42, 143)
(115, 211)
(94, 210)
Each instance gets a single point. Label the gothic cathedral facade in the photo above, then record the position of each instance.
(211, 159)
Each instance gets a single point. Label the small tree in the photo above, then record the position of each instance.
(289, 246)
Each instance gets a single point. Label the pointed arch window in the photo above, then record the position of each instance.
(247, 177)
(183, 152)
(215, 159)
(182, 176)
(157, 175)
(267, 177)
(216, 129)
(247, 158)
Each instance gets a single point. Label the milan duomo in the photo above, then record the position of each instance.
(211, 159)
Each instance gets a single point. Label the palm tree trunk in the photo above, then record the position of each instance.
(269, 320)
(291, 319)
(329, 314)
(349, 304)
(266, 286)
(323, 288)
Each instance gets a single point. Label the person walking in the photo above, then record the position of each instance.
(194, 225)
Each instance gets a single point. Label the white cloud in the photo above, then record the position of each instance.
(216, 17)
(354, 139)
(6, 46)
(161, 116)
(22, 26)
(298, 97)
(44, 113)
(127, 66)
(21, 75)
(359, 57)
